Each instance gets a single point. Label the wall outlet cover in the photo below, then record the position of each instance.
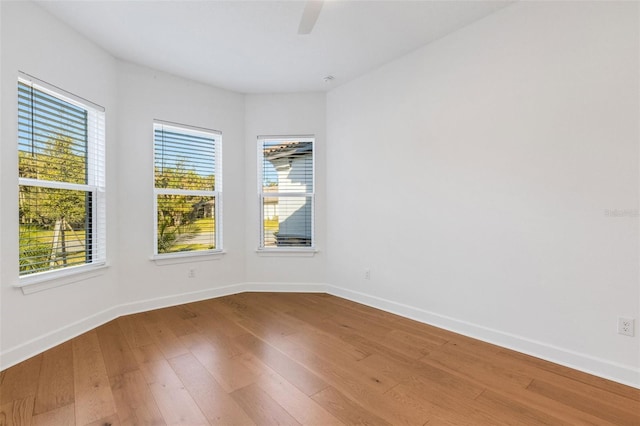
(626, 326)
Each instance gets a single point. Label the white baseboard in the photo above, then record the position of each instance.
(599, 367)
(33, 347)
(26, 350)
(212, 293)
(620, 373)
(286, 287)
(179, 299)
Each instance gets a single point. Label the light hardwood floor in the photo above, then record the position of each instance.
(278, 358)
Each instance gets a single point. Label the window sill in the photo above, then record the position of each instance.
(287, 252)
(187, 257)
(46, 280)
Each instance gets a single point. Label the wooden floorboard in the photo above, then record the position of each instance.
(297, 359)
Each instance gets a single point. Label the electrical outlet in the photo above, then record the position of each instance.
(191, 273)
(367, 274)
(626, 326)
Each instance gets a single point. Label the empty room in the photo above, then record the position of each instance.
(319, 212)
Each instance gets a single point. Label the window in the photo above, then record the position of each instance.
(286, 190)
(187, 188)
(61, 179)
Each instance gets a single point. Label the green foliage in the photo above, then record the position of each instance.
(37, 253)
(56, 162)
(178, 214)
(183, 177)
(58, 159)
(166, 235)
(34, 255)
(175, 238)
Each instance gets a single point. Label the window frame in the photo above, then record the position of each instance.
(301, 250)
(217, 194)
(95, 186)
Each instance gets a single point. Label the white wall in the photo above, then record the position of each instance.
(473, 177)
(145, 95)
(36, 44)
(284, 114)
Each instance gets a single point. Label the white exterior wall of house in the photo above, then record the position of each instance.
(288, 172)
(295, 215)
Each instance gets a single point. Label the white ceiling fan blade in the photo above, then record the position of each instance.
(310, 16)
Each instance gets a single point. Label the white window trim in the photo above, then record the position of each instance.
(40, 281)
(286, 251)
(194, 255)
(96, 157)
(187, 257)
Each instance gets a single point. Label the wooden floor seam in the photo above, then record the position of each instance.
(297, 359)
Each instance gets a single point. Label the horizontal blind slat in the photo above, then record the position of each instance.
(61, 159)
(286, 196)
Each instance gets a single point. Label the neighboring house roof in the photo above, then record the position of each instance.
(287, 150)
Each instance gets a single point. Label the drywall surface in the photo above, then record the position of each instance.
(35, 43)
(145, 95)
(284, 115)
(489, 182)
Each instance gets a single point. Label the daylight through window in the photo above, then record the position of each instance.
(286, 190)
(187, 188)
(61, 179)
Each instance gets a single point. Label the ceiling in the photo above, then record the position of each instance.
(254, 46)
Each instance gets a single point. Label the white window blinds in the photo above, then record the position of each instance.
(61, 176)
(286, 192)
(187, 188)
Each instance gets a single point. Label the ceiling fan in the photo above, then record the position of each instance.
(310, 16)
